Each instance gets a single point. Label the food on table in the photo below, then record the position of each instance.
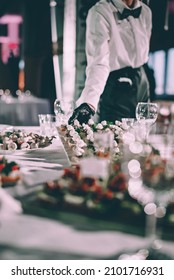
(20, 139)
(9, 172)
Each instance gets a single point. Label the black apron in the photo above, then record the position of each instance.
(119, 98)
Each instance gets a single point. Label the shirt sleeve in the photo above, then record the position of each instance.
(97, 54)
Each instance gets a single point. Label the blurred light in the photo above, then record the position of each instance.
(134, 187)
(146, 196)
(27, 92)
(18, 92)
(164, 111)
(136, 147)
(150, 209)
(53, 3)
(7, 92)
(128, 138)
(21, 64)
(135, 174)
(160, 212)
(134, 165)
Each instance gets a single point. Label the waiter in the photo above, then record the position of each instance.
(117, 46)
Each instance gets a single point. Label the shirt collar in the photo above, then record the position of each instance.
(120, 5)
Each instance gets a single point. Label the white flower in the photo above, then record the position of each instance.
(115, 143)
(90, 137)
(112, 126)
(116, 132)
(72, 132)
(107, 129)
(75, 137)
(116, 150)
(125, 126)
(90, 132)
(104, 123)
(85, 126)
(118, 123)
(90, 122)
(81, 143)
(70, 127)
(99, 126)
(78, 151)
(76, 123)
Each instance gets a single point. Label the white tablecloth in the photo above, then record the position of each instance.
(23, 111)
(32, 237)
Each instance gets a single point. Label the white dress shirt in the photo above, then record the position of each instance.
(112, 44)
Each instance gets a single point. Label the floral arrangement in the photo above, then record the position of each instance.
(75, 192)
(80, 137)
(19, 139)
(9, 172)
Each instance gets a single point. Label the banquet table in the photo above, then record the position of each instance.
(24, 111)
(41, 235)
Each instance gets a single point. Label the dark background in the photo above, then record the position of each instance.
(36, 44)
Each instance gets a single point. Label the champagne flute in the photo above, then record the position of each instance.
(146, 115)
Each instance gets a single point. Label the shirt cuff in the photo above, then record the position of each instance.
(90, 100)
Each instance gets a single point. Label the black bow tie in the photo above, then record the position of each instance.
(127, 12)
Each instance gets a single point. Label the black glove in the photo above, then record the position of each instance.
(82, 113)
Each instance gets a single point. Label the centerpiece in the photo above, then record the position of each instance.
(19, 140)
(88, 193)
(91, 191)
(79, 139)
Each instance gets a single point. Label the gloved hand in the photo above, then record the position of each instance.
(82, 113)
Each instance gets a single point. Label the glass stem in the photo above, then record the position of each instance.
(154, 230)
(151, 227)
(148, 128)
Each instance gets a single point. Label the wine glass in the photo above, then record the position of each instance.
(63, 109)
(146, 115)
